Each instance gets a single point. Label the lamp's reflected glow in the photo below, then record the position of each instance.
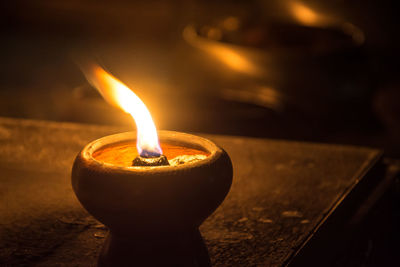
(229, 55)
(231, 58)
(310, 17)
(304, 14)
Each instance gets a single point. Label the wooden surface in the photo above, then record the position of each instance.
(282, 194)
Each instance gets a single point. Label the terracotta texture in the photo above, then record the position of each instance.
(153, 213)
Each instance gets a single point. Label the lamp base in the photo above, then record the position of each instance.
(180, 249)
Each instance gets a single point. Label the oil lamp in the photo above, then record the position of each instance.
(151, 189)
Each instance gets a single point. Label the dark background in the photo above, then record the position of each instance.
(322, 79)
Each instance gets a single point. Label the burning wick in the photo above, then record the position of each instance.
(154, 161)
(118, 94)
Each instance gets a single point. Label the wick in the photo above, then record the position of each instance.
(160, 160)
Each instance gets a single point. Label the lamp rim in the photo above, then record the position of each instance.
(171, 137)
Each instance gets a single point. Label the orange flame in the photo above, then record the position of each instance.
(118, 94)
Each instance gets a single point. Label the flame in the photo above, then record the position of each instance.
(118, 94)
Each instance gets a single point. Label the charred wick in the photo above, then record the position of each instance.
(150, 161)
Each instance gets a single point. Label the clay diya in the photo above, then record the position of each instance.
(153, 212)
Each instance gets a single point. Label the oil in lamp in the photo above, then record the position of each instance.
(151, 189)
